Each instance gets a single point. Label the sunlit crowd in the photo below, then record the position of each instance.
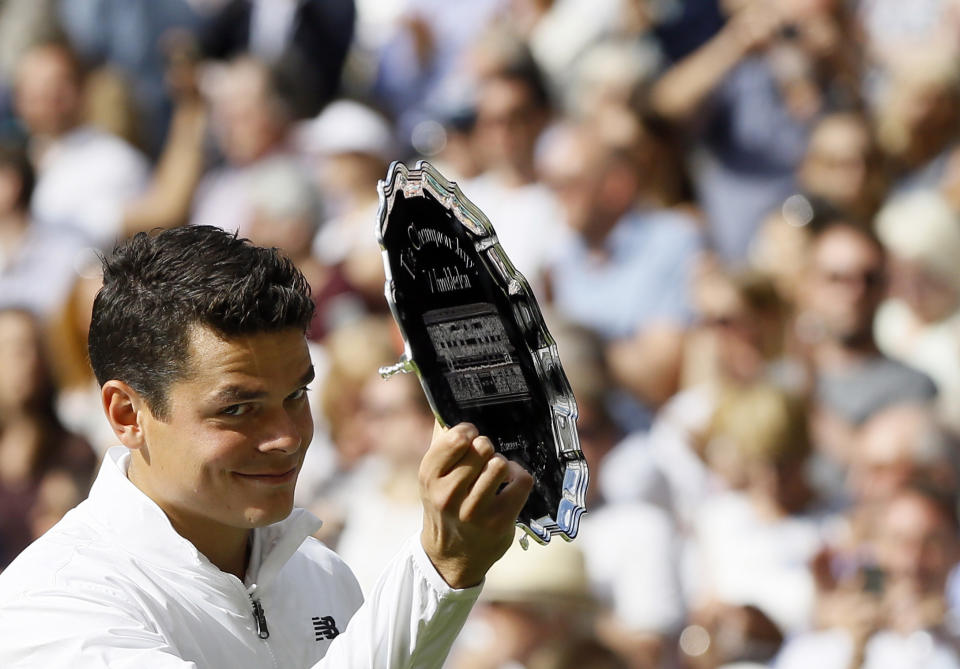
(741, 219)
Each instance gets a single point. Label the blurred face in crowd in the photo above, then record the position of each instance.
(226, 455)
(593, 188)
(21, 378)
(845, 284)
(248, 121)
(930, 296)
(508, 123)
(47, 94)
(888, 454)
(397, 422)
(735, 329)
(837, 164)
(917, 545)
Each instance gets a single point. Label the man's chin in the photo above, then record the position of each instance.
(263, 516)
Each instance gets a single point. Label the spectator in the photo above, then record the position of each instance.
(899, 621)
(918, 324)
(722, 636)
(626, 271)
(380, 504)
(286, 214)
(133, 39)
(349, 146)
(739, 339)
(752, 543)
(843, 166)
(85, 177)
(251, 119)
(307, 40)
(36, 262)
(89, 181)
(513, 108)
(898, 447)
(622, 564)
(351, 354)
(34, 446)
(844, 285)
(754, 91)
(534, 599)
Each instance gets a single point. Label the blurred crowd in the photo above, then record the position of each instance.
(742, 221)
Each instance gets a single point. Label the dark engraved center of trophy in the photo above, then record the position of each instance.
(474, 364)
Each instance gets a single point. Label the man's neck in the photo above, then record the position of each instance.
(226, 547)
(515, 176)
(834, 353)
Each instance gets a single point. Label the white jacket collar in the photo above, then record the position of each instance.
(143, 529)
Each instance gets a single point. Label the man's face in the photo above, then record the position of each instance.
(846, 283)
(47, 92)
(916, 545)
(237, 428)
(508, 122)
(245, 122)
(569, 167)
(837, 162)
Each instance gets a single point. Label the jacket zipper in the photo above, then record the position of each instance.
(259, 618)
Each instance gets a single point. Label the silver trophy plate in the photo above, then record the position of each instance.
(474, 335)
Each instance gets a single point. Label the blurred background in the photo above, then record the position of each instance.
(742, 220)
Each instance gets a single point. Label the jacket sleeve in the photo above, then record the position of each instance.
(79, 630)
(410, 620)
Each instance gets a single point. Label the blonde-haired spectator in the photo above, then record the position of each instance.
(752, 545)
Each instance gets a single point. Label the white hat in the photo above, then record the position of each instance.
(920, 226)
(345, 126)
(554, 573)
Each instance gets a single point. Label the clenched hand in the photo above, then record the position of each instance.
(471, 497)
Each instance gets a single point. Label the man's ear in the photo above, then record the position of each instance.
(125, 409)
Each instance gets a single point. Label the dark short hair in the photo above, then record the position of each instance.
(157, 286)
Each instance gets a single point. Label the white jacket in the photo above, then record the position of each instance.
(114, 585)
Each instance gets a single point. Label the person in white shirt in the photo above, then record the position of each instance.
(891, 613)
(187, 552)
(85, 177)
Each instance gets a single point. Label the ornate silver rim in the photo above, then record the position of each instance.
(425, 178)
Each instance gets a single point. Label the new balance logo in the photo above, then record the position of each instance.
(325, 628)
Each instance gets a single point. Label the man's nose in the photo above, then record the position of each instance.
(282, 432)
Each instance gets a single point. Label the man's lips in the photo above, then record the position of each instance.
(276, 477)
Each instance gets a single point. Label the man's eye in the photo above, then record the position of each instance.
(236, 410)
(299, 394)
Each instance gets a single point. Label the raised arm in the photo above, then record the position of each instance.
(685, 86)
(471, 497)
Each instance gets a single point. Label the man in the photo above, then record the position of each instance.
(513, 108)
(85, 177)
(89, 182)
(186, 553)
(625, 271)
(898, 619)
(843, 287)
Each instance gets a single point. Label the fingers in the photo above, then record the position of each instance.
(465, 475)
(455, 484)
(499, 492)
(447, 448)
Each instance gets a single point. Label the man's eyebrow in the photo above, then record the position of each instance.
(233, 393)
